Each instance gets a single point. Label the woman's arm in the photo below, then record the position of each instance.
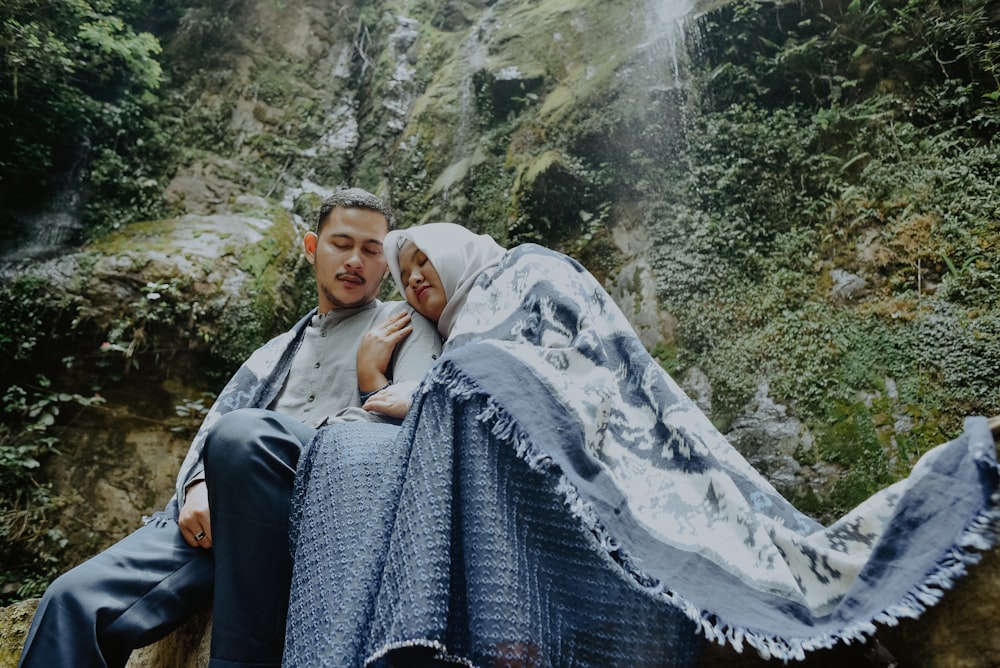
(375, 351)
(410, 343)
(393, 401)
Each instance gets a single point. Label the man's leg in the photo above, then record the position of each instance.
(250, 460)
(128, 596)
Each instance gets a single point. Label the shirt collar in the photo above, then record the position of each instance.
(337, 315)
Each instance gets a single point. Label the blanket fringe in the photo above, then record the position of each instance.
(981, 534)
(440, 650)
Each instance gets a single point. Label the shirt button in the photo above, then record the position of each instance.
(316, 365)
(323, 334)
(312, 397)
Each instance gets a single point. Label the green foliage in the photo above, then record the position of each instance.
(21, 320)
(29, 539)
(135, 151)
(851, 438)
(933, 196)
(64, 64)
(487, 185)
(280, 294)
(558, 200)
(114, 45)
(163, 307)
(203, 26)
(858, 138)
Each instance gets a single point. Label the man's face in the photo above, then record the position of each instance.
(348, 258)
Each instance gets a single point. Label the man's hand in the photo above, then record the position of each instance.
(193, 520)
(393, 401)
(376, 349)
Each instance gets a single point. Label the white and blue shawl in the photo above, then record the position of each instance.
(555, 499)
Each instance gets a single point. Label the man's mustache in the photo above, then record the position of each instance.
(360, 278)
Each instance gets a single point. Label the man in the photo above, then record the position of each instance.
(224, 534)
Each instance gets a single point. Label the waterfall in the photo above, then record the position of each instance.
(660, 81)
(45, 232)
(473, 54)
(472, 58)
(665, 39)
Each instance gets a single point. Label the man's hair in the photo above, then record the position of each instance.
(354, 198)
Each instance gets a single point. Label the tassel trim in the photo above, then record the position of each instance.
(982, 533)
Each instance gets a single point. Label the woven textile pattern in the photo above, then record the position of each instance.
(441, 539)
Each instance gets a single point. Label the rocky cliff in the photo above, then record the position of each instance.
(833, 324)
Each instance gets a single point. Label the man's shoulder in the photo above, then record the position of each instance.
(264, 358)
(417, 321)
(390, 308)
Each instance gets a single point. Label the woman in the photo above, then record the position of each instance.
(555, 499)
(438, 295)
(439, 288)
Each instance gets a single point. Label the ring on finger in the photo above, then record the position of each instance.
(198, 536)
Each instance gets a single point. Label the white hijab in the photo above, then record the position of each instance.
(459, 256)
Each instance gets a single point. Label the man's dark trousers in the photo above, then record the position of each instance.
(140, 589)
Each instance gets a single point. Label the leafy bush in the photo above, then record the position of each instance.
(64, 66)
(31, 540)
(853, 137)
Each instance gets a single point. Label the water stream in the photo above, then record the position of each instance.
(665, 42)
(472, 56)
(45, 232)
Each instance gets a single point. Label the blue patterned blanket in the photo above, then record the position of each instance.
(554, 499)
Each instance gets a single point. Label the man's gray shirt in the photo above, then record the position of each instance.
(323, 379)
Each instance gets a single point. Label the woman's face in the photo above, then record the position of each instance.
(423, 285)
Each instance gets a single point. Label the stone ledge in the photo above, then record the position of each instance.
(187, 647)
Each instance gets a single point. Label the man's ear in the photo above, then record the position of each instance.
(309, 242)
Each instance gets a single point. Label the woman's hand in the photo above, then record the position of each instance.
(394, 400)
(375, 351)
